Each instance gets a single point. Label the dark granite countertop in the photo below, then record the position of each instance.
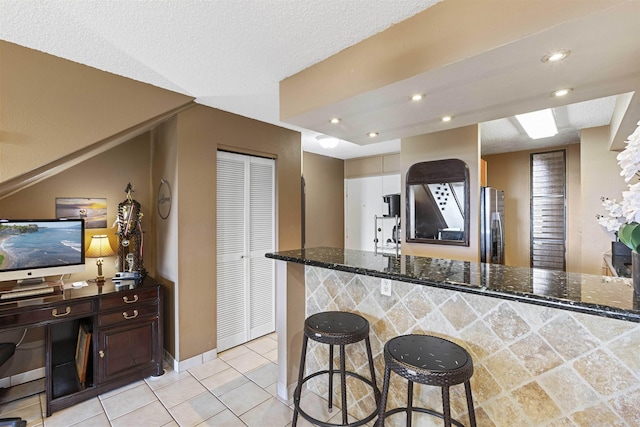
(585, 293)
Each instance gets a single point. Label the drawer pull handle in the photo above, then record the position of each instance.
(126, 316)
(55, 313)
(101, 352)
(127, 301)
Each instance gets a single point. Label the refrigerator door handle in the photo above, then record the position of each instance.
(500, 239)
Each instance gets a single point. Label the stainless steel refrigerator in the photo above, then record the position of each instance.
(491, 225)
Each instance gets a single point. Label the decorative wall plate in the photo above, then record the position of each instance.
(164, 199)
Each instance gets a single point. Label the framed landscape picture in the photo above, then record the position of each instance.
(83, 348)
(92, 210)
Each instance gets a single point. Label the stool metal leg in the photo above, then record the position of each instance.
(409, 403)
(343, 387)
(472, 414)
(383, 397)
(298, 390)
(330, 396)
(335, 328)
(446, 408)
(376, 392)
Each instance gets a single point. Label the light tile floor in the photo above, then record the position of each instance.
(236, 389)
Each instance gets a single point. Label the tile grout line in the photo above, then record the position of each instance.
(254, 353)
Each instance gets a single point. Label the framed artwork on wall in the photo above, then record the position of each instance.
(93, 210)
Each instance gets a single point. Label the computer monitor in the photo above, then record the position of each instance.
(31, 250)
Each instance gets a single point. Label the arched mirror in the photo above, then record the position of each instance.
(437, 198)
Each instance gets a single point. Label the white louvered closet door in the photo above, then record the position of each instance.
(245, 232)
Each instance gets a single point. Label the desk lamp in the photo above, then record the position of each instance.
(99, 248)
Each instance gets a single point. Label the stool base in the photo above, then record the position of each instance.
(335, 328)
(300, 411)
(421, 410)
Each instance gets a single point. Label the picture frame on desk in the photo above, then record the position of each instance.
(83, 348)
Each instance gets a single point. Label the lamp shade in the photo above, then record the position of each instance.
(99, 247)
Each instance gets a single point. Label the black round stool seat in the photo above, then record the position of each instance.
(428, 360)
(335, 328)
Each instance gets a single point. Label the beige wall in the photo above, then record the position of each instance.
(164, 167)
(184, 152)
(461, 143)
(104, 176)
(52, 107)
(511, 172)
(600, 178)
(199, 132)
(324, 201)
(372, 165)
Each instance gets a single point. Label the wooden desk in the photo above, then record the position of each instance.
(126, 337)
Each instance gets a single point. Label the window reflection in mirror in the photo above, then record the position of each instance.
(437, 197)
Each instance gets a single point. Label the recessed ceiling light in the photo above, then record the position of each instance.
(327, 142)
(556, 56)
(372, 134)
(561, 92)
(417, 97)
(335, 120)
(447, 118)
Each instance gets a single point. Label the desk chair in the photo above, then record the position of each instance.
(7, 350)
(13, 422)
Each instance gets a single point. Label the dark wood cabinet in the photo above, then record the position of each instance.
(125, 332)
(128, 341)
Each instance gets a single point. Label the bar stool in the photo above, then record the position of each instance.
(429, 360)
(335, 328)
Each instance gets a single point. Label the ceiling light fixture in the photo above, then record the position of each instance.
(447, 118)
(335, 120)
(372, 134)
(327, 142)
(417, 97)
(561, 92)
(556, 56)
(538, 124)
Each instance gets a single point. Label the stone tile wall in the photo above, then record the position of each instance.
(534, 365)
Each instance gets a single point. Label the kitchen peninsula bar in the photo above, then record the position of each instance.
(549, 347)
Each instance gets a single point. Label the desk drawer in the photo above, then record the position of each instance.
(124, 299)
(59, 312)
(128, 314)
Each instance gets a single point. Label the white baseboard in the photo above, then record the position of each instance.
(192, 362)
(22, 377)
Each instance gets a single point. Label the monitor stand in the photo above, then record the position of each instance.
(31, 282)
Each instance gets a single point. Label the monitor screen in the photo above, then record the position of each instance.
(35, 249)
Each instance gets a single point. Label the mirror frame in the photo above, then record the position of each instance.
(438, 171)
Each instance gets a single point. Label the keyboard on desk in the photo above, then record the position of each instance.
(26, 293)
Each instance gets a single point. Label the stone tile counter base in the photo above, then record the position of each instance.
(534, 365)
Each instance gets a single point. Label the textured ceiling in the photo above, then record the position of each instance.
(504, 135)
(228, 54)
(232, 54)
